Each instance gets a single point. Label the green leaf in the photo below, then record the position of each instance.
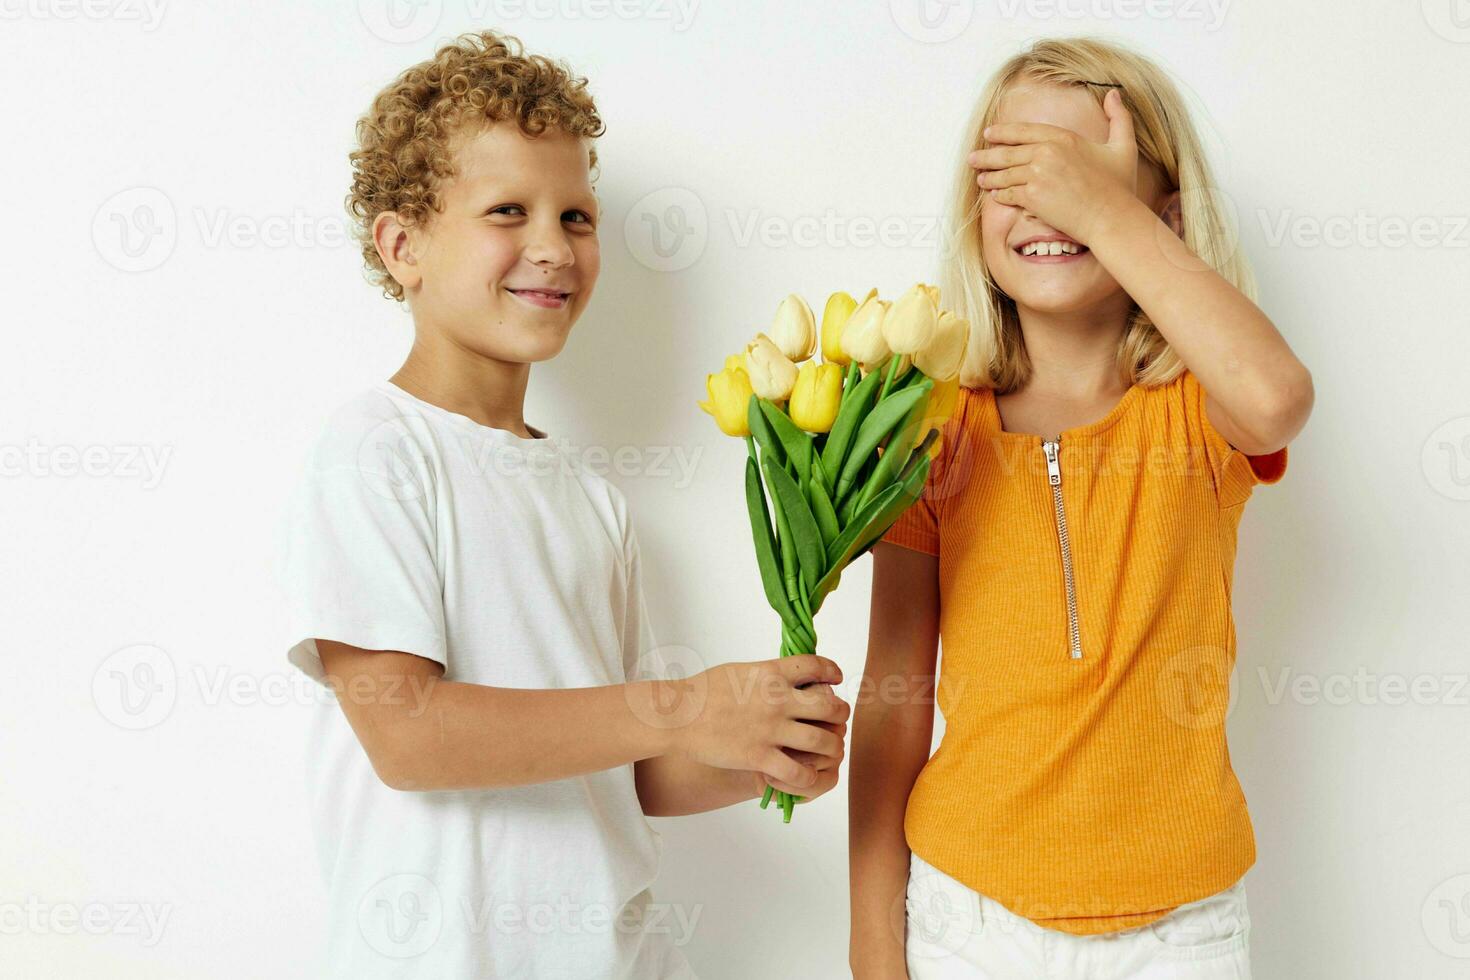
(887, 414)
(896, 453)
(911, 489)
(855, 406)
(805, 535)
(796, 442)
(760, 428)
(765, 547)
(871, 524)
(822, 508)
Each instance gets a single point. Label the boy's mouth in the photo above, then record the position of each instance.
(546, 299)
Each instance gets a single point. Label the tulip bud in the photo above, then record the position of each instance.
(793, 330)
(933, 292)
(941, 359)
(816, 396)
(834, 318)
(862, 337)
(729, 399)
(910, 322)
(771, 372)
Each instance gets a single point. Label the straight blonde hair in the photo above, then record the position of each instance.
(995, 355)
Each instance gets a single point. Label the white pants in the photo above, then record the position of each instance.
(955, 933)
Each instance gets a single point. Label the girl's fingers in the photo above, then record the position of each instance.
(999, 157)
(1009, 177)
(1024, 132)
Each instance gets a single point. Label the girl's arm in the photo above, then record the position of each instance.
(1257, 394)
(892, 729)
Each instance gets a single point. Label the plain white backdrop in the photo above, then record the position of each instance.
(184, 309)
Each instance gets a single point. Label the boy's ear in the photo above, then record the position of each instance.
(396, 248)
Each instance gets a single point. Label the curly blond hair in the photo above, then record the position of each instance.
(406, 140)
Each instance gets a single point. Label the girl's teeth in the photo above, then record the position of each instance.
(1050, 248)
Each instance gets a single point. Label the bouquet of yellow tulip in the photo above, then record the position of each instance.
(840, 448)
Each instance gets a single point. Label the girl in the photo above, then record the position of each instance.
(1121, 396)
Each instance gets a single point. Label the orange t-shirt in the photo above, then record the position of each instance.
(1083, 780)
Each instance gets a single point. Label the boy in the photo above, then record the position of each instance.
(481, 784)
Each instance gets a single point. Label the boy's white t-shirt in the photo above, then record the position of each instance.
(418, 529)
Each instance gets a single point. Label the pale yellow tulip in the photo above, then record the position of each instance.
(862, 338)
(772, 373)
(942, 357)
(794, 330)
(909, 324)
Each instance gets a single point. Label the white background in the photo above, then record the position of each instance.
(218, 331)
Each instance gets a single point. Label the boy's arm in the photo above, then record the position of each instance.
(890, 745)
(675, 786)
(422, 732)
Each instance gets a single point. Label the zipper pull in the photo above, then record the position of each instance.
(1053, 465)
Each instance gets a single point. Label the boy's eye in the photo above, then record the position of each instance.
(577, 217)
(509, 209)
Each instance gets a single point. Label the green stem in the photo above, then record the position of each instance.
(888, 378)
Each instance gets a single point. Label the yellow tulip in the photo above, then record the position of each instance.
(735, 362)
(771, 372)
(794, 330)
(943, 398)
(834, 318)
(940, 359)
(862, 337)
(933, 292)
(909, 325)
(729, 399)
(815, 397)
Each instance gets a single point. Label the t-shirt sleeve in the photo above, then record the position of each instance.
(918, 526)
(359, 567)
(1235, 473)
(639, 644)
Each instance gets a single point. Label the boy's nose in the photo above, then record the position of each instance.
(550, 251)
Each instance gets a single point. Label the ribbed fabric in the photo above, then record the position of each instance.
(1094, 794)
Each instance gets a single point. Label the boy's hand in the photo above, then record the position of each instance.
(752, 712)
(826, 766)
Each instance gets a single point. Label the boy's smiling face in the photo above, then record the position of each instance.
(507, 265)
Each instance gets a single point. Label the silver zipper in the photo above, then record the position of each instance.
(1054, 477)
